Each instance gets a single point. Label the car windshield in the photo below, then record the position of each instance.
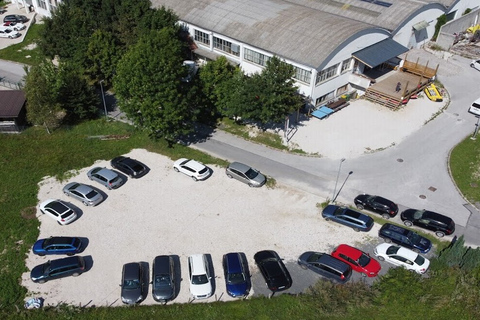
(418, 214)
(91, 194)
(131, 284)
(314, 257)
(420, 260)
(235, 278)
(392, 250)
(338, 211)
(200, 279)
(251, 173)
(162, 280)
(363, 260)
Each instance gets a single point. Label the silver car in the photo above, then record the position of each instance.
(83, 192)
(245, 174)
(107, 177)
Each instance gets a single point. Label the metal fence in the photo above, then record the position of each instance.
(4, 82)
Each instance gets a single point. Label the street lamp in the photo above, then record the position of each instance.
(338, 174)
(342, 185)
(476, 129)
(103, 98)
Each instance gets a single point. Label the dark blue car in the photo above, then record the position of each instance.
(404, 237)
(57, 245)
(237, 278)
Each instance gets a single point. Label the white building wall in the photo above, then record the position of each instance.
(460, 7)
(409, 38)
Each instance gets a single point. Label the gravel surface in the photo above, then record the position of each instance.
(166, 212)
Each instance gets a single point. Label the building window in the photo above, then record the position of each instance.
(342, 89)
(346, 65)
(53, 4)
(226, 46)
(202, 37)
(255, 57)
(324, 98)
(302, 74)
(327, 73)
(42, 4)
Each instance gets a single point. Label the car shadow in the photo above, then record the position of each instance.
(123, 176)
(146, 278)
(212, 272)
(177, 270)
(75, 208)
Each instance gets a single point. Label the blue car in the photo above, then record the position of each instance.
(348, 217)
(237, 278)
(57, 245)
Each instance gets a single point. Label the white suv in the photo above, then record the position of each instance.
(8, 33)
(199, 276)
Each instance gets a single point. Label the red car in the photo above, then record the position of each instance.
(358, 260)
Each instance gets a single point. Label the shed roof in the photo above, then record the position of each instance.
(11, 103)
(379, 52)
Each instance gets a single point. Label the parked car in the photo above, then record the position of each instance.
(387, 208)
(245, 174)
(475, 64)
(357, 259)
(353, 219)
(133, 286)
(402, 257)
(194, 169)
(59, 268)
(106, 177)
(273, 270)
(438, 223)
(58, 210)
(326, 266)
(57, 245)
(15, 18)
(163, 279)
(199, 276)
(15, 26)
(404, 237)
(236, 275)
(131, 167)
(9, 33)
(85, 193)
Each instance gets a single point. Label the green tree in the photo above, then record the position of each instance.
(215, 76)
(149, 89)
(41, 91)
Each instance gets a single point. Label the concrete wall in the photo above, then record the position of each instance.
(446, 35)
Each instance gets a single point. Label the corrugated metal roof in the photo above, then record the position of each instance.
(380, 52)
(11, 103)
(292, 31)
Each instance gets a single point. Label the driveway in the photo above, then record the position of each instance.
(166, 212)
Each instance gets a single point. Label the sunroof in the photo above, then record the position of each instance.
(380, 3)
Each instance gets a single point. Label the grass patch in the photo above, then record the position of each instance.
(465, 168)
(25, 52)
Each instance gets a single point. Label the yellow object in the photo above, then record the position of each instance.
(433, 94)
(473, 29)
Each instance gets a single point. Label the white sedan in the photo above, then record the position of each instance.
(15, 26)
(403, 257)
(475, 64)
(58, 210)
(194, 169)
(8, 33)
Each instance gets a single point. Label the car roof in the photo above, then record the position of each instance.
(59, 240)
(197, 166)
(233, 262)
(107, 173)
(64, 262)
(406, 253)
(239, 166)
(131, 271)
(394, 228)
(161, 265)
(352, 252)
(333, 262)
(197, 263)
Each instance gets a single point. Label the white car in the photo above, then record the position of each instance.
(194, 169)
(8, 33)
(475, 64)
(15, 26)
(58, 210)
(400, 256)
(199, 276)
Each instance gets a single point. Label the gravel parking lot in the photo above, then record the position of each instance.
(166, 212)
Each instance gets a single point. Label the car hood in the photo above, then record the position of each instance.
(238, 290)
(131, 296)
(201, 289)
(162, 293)
(38, 246)
(37, 273)
(373, 266)
(423, 244)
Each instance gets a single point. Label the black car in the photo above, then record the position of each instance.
(404, 237)
(163, 279)
(440, 224)
(133, 287)
(387, 208)
(348, 217)
(326, 266)
(131, 167)
(15, 18)
(273, 270)
(59, 268)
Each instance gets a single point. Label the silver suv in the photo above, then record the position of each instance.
(107, 177)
